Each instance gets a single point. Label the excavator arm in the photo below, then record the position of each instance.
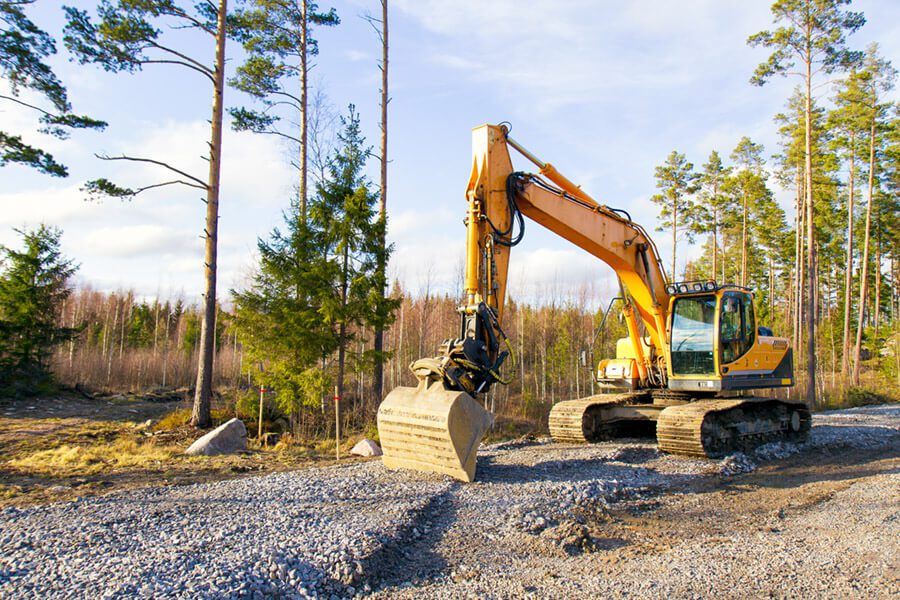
(498, 197)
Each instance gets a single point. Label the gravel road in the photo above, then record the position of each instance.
(615, 519)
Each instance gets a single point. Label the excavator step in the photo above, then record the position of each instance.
(715, 428)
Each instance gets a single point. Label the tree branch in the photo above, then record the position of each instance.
(183, 64)
(173, 182)
(197, 182)
(25, 104)
(182, 56)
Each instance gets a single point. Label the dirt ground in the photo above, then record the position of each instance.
(724, 506)
(32, 426)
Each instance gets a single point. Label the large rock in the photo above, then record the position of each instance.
(227, 438)
(366, 448)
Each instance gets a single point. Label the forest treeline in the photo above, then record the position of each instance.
(129, 344)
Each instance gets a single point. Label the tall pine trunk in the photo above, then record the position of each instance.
(378, 374)
(876, 311)
(744, 243)
(848, 277)
(864, 272)
(200, 415)
(811, 247)
(674, 236)
(715, 242)
(304, 122)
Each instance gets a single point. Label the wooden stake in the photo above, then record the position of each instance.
(262, 397)
(337, 424)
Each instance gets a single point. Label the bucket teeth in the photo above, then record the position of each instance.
(431, 428)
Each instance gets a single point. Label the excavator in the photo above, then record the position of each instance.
(693, 349)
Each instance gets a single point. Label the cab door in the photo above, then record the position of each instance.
(737, 328)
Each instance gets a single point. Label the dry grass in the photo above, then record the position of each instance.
(173, 420)
(88, 460)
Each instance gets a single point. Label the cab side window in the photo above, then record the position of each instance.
(736, 333)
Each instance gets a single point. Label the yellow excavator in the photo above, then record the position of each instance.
(692, 349)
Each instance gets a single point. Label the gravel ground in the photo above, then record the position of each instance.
(616, 519)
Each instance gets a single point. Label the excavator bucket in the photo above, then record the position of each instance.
(431, 428)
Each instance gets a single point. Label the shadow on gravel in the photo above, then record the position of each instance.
(569, 470)
(409, 554)
(811, 465)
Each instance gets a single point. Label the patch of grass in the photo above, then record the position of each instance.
(324, 447)
(173, 420)
(509, 428)
(856, 396)
(87, 460)
(9, 491)
(182, 416)
(371, 432)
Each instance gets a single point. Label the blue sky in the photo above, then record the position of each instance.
(604, 90)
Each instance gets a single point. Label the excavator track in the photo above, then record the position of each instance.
(715, 428)
(583, 420)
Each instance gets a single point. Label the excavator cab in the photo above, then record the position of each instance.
(715, 343)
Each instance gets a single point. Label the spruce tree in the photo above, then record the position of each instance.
(33, 285)
(279, 317)
(345, 210)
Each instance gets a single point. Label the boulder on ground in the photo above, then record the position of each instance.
(227, 438)
(366, 448)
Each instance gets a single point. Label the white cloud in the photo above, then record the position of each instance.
(49, 205)
(358, 55)
(556, 54)
(135, 240)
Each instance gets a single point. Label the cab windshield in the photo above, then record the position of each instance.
(693, 335)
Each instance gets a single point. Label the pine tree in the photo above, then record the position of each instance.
(714, 207)
(33, 287)
(24, 48)
(878, 76)
(848, 123)
(128, 37)
(677, 181)
(748, 186)
(812, 33)
(276, 37)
